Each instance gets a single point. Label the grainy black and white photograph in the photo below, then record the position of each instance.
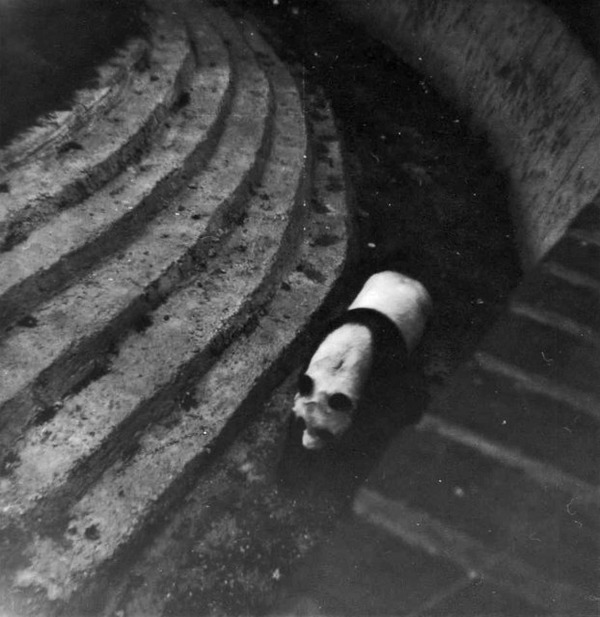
(299, 308)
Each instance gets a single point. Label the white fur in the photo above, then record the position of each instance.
(341, 364)
(343, 361)
(402, 299)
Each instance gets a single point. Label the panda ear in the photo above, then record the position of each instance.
(305, 385)
(340, 402)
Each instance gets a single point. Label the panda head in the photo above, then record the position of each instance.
(326, 412)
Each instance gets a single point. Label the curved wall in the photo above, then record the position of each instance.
(521, 76)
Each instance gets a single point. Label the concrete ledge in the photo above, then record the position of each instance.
(188, 331)
(182, 235)
(49, 49)
(65, 248)
(160, 461)
(83, 158)
(55, 129)
(523, 78)
(171, 454)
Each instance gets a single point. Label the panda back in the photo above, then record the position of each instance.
(403, 300)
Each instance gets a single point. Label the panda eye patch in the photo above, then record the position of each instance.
(305, 385)
(340, 402)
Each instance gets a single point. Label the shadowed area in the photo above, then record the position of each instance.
(49, 49)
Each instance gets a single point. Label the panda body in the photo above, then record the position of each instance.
(403, 300)
(381, 327)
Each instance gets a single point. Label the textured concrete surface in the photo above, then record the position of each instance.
(50, 49)
(98, 308)
(87, 157)
(139, 342)
(72, 243)
(521, 75)
(75, 238)
(113, 79)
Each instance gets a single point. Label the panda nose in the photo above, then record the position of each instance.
(318, 437)
(319, 433)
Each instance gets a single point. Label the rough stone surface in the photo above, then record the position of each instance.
(147, 269)
(525, 80)
(147, 356)
(190, 328)
(113, 79)
(75, 239)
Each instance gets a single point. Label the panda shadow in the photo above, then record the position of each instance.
(391, 402)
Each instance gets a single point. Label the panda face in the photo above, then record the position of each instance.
(331, 386)
(327, 415)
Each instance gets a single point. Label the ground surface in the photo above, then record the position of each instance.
(429, 202)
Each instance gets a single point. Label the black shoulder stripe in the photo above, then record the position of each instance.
(389, 344)
(388, 340)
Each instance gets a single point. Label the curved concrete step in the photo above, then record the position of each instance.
(56, 128)
(116, 514)
(153, 368)
(42, 187)
(76, 239)
(41, 364)
(156, 355)
(522, 77)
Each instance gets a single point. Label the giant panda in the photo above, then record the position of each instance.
(378, 331)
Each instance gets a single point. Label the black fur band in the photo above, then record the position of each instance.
(389, 345)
